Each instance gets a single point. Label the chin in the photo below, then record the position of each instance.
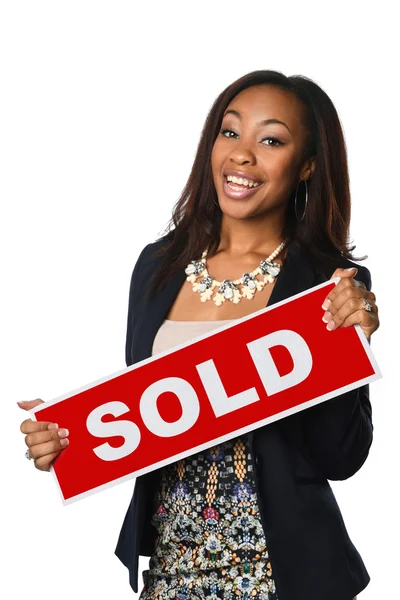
(237, 209)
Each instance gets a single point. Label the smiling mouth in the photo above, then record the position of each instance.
(237, 191)
(240, 186)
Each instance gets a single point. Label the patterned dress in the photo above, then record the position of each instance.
(210, 541)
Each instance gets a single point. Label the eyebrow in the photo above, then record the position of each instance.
(260, 123)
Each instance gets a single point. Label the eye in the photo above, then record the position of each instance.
(223, 131)
(275, 140)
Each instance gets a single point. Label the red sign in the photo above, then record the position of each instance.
(262, 368)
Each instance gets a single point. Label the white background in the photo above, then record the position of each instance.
(101, 109)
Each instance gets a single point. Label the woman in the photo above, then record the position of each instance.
(265, 214)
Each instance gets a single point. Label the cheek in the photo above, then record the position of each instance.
(217, 159)
(282, 164)
(282, 173)
(222, 148)
(217, 151)
(214, 162)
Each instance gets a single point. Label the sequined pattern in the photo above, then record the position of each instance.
(210, 541)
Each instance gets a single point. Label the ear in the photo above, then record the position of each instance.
(308, 168)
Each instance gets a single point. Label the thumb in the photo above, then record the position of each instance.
(29, 404)
(350, 272)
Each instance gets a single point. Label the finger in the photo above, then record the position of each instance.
(29, 426)
(41, 450)
(353, 297)
(49, 435)
(350, 272)
(43, 463)
(351, 313)
(344, 283)
(29, 404)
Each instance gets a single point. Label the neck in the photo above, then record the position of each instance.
(243, 236)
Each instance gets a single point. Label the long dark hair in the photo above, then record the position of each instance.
(196, 217)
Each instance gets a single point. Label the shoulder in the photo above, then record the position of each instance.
(325, 265)
(148, 253)
(148, 259)
(328, 265)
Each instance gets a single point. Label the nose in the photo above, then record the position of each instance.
(242, 156)
(242, 153)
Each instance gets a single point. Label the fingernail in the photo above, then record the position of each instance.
(326, 304)
(63, 433)
(327, 317)
(331, 325)
(64, 442)
(352, 269)
(52, 426)
(21, 402)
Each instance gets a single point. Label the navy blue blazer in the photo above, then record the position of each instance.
(311, 554)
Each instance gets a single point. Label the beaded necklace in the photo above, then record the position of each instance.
(230, 290)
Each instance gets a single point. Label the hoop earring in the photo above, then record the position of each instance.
(305, 201)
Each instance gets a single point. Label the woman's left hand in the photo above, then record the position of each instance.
(344, 304)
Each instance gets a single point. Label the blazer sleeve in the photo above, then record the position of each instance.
(339, 431)
(132, 304)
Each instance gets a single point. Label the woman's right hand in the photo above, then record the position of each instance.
(44, 440)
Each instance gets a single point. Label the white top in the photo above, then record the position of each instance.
(174, 333)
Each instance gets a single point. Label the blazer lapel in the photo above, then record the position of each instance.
(153, 314)
(296, 275)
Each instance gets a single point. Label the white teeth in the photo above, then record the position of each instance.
(247, 182)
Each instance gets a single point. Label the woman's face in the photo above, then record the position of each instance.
(270, 152)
